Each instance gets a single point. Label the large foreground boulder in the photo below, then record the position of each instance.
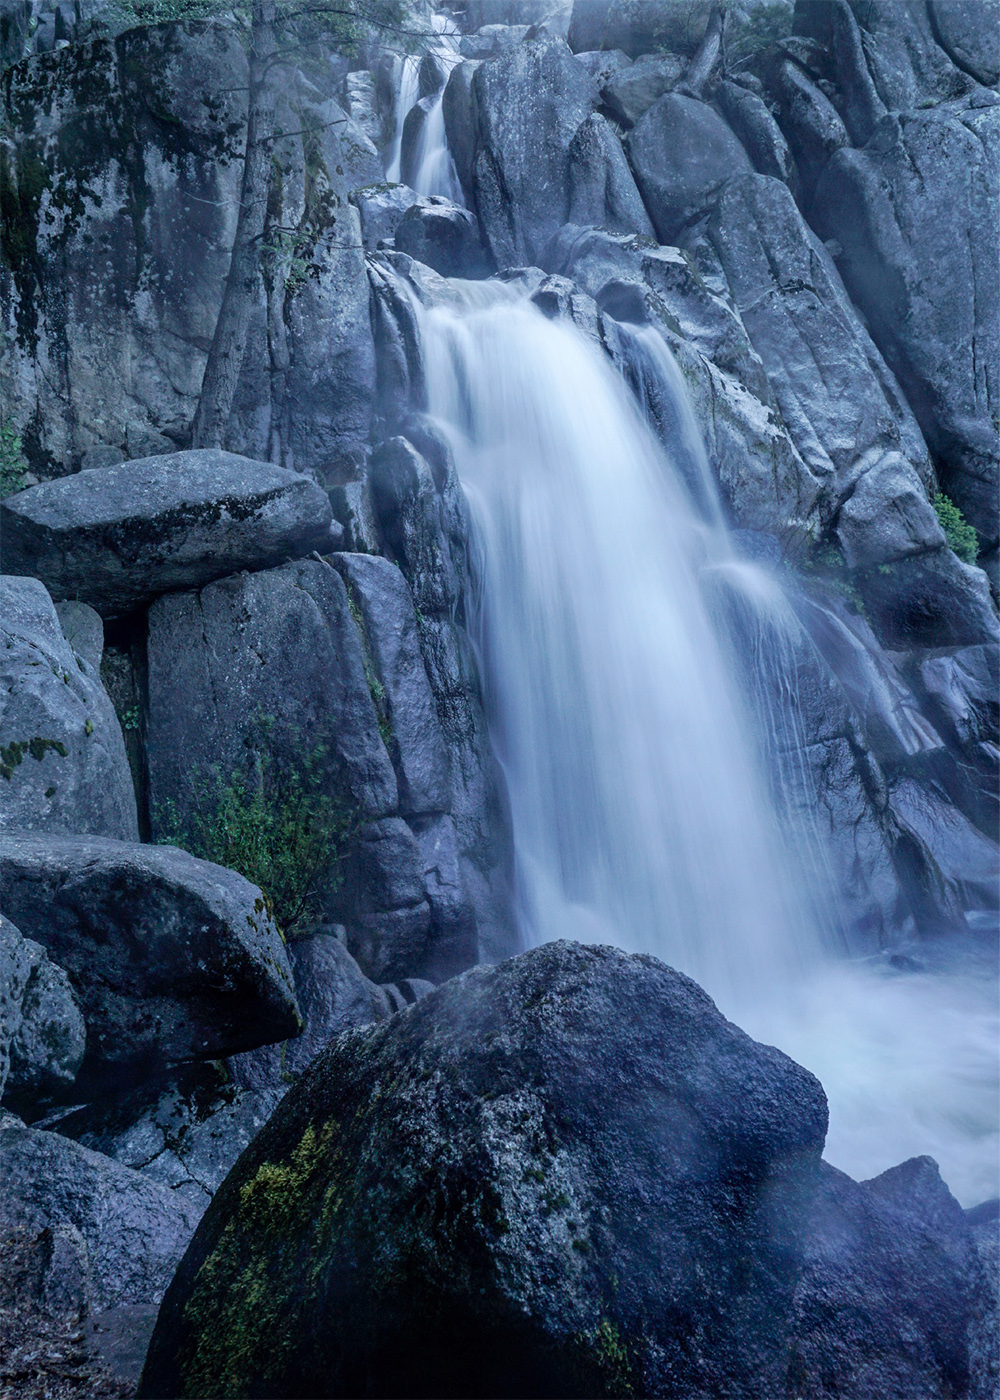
(64, 766)
(118, 536)
(564, 1175)
(172, 958)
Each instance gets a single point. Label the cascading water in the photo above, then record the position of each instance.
(641, 815)
(434, 170)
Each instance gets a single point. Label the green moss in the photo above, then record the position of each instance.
(959, 533)
(605, 1349)
(13, 467)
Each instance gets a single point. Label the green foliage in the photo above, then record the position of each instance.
(277, 827)
(828, 565)
(959, 533)
(746, 41)
(12, 754)
(13, 467)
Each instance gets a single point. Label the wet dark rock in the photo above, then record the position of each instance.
(52, 694)
(444, 236)
(887, 1289)
(384, 903)
(132, 1230)
(930, 600)
(83, 628)
(810, 122)
(49, 1036)
(267, 663)
(171, 958)
(417, 746)
(458, 106)
(334, 995)
(969, 32)
(414, 126)
(588, 1124)
(453, 910)
(681, 154)
(632, 90)
(117, 538)
(529, 103)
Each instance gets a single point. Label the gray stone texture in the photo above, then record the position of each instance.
(49, 692)
(118, 537)
(529, 102)
(170, 958)
(567, 1099)
(262, 662)
(132, 1231)
(682, 153)
(49, 1036)
(124, 169)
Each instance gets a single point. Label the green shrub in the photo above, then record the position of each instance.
(13, 467)
(959, 533)
(277, 827)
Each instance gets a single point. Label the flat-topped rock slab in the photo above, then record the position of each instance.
(118, 537)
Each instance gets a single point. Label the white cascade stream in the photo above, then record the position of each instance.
(435, 172)
(641, 817)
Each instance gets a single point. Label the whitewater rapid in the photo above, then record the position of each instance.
(641, 815)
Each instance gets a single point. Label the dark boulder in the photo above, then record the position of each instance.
(759, 134)
(682, 153)
(563, 1175)
(118, 537)
(170, 958)
(42, 1032)
(603, 193)
(416, 744)
(969, 32)
(444, 236)
(64, 765)
(129, 1232)
(381, 207)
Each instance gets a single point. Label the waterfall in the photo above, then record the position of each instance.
(637, 775)
(434, 171)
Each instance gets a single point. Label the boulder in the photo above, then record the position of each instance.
(381, 207)
(458, 107)
(886, 1291)
(131, 1231)
(64, 764)
(119, 537)
(602, 64)
(969, 32)
(529, 101)
(587, 1182)
(108, 318)
(384, 903)
(381, 596)
(914, 215)
(83, 628)
(630, 92)
(268, 663)
(809, 120)
(444, 236)
(171, 958)
(48, 1040)
(639, 26)
(491, 39)
(682, 153)
(334, 995)
(603, 193)
(757, 131)
(930, 600)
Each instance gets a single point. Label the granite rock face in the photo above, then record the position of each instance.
(170, 958)
(118, 537)
(75, 777)
(129, 1232)
(569, 1130)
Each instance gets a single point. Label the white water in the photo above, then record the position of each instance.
(640, 817)
(435, 172)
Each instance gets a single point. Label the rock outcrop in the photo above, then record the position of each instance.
(170, 958)
(118, 537)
